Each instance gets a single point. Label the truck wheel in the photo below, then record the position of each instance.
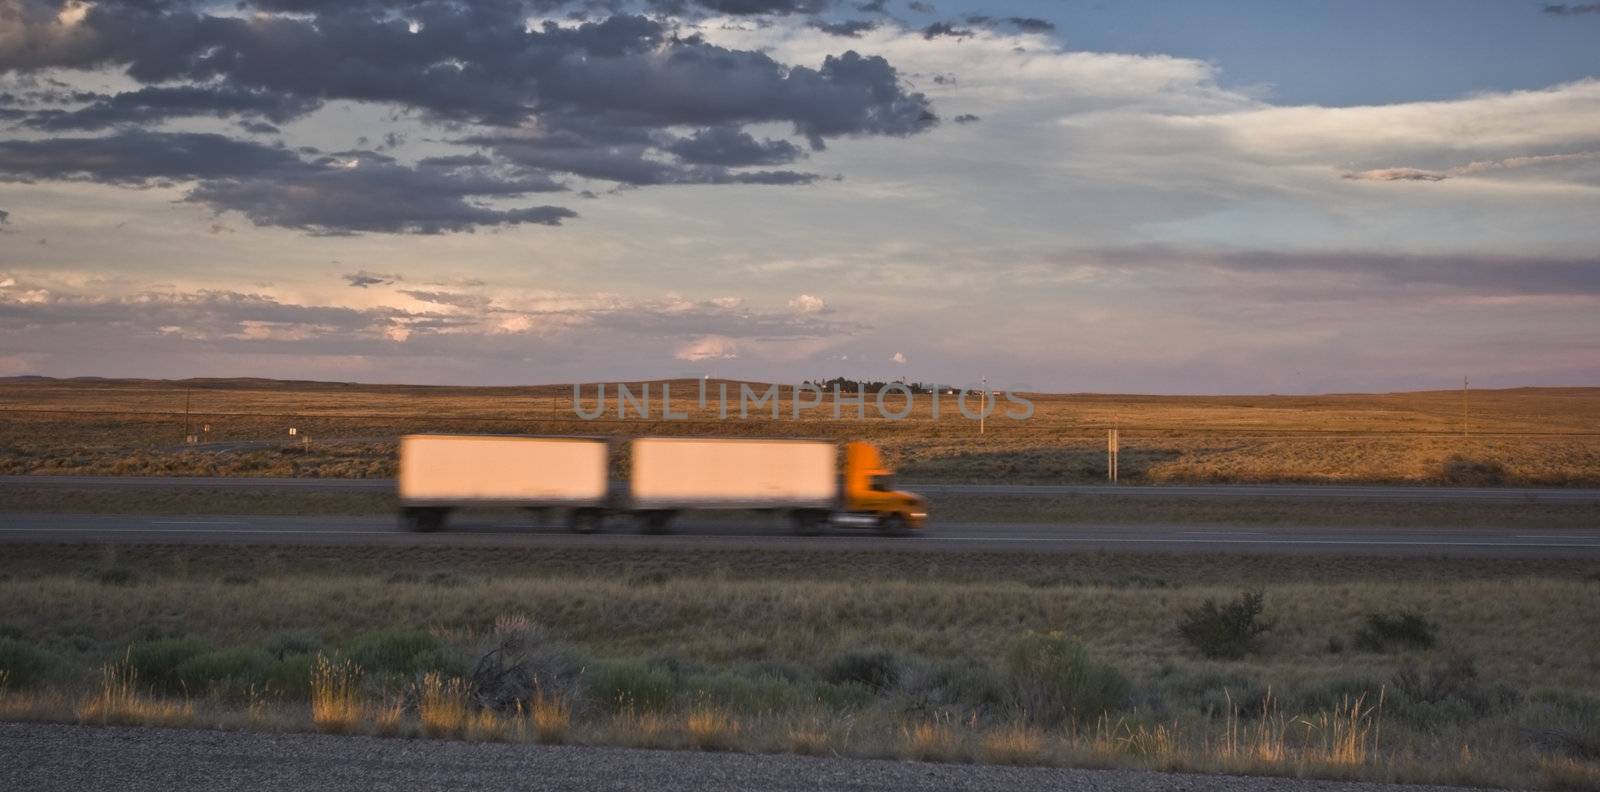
(656, 522)
(423, 520)
(586, 521)
(893, 525)
(808, 523)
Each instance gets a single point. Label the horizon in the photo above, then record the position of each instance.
(1146, 197)
(780, 385)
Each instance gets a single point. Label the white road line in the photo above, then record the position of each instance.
(196, 522)
(1176, 540)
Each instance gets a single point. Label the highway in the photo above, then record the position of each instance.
(1390, 494)
(472, 530)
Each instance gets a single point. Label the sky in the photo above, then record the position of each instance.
(1161, 197)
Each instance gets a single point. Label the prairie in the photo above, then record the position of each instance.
(1526, 436)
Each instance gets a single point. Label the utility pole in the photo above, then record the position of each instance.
(1464, 406)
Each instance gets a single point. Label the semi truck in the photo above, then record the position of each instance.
(667, 475)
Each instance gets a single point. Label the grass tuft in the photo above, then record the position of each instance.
(335, 696)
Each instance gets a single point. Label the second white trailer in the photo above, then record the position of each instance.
(669, 474)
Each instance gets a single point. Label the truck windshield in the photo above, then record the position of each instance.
(883, 483)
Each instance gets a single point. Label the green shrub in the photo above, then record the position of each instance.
(845, 696)
(1231, 630)
(875, 669)
(740, 693)
(155, 663)
(631, 684)
(1213, 691)
(22, 664)
(1384, 632)
(960, 683)
(1448, 692)
(1564, 722)
(1052, 680)
(289, 677)
(226, 672)
(286, 644)
(404, 651)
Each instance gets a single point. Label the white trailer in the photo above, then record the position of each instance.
(670, 474)
(440, 472)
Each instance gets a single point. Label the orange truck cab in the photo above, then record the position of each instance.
(869, 497)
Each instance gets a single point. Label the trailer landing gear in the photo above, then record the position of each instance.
(656, 521)
(586, 521)
(425, 519)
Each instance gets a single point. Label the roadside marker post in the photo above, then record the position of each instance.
(1113, 450)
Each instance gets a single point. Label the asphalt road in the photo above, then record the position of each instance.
(480, 531)
(1290, 491)
(45, 758)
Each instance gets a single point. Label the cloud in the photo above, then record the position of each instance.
(1031, 24)
(1396, 174)
(938, 29)
(807, 304)
(898, 357)
(47, 314)
(966, 118)
(729, 146)
(363, 279)
(154, 105)
(1339, 275)
(708, 348)
(342, 193)
(1474, 168)
(138, 158)
(622, 97)
(850, 28)
(1563, 9)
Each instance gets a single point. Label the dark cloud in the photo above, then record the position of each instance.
(1563, 9)
(377, 197)
(136, 157)
(363, 279)
(605, 99)
(921, 7)
(873, 7)
(258, 127)
(967, 118)
(938, 29)
(1397, 174)
(157, 104)
(272, 186)
(732, 147)
(452, 299)
(754, 7)
(1031, 24)
(850, 28)
(1335, 275)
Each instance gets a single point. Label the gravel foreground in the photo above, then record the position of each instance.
(55, 757)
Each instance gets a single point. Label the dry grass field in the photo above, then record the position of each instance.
(1029, 659)
(1533, 436)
